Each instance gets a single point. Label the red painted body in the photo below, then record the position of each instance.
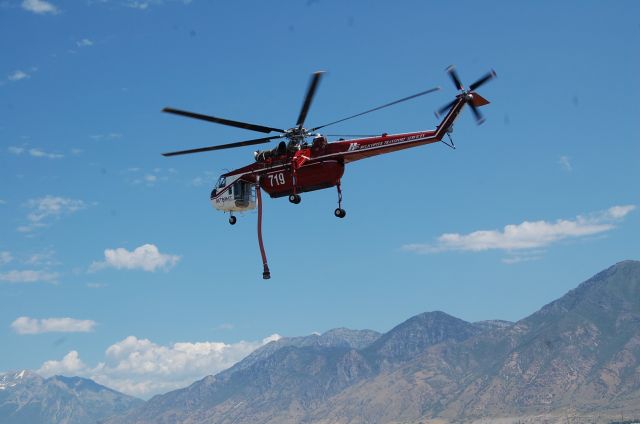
(321, 165)
(310, 177)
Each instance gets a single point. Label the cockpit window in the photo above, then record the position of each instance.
(221, 182)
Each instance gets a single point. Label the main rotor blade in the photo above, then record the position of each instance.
(431, 90)
(224, 146)
(482, 80)
(454, 76)
(237, 124)
(311, 91)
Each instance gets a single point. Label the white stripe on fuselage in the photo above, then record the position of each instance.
(384, 144)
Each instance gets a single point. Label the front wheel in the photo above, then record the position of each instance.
(340, 213)
(233, 220)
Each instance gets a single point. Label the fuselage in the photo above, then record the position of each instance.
(314, 166)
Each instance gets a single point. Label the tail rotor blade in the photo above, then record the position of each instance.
(454, 77)
(491, 75)
(476, 113)
(445, 108)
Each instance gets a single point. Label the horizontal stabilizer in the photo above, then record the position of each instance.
(478, 100)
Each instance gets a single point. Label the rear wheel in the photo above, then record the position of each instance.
(340, 213)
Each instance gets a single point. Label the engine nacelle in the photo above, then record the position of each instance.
(264, 155)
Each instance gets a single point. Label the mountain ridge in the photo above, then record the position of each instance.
(576, 351)
(580, 352)
(28, 398)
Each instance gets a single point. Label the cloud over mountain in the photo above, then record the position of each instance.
(143, 368)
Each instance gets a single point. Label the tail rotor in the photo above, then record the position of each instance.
(473, 99)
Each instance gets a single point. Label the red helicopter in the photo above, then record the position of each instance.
(296, 166)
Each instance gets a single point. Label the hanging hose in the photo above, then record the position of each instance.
(266, 274)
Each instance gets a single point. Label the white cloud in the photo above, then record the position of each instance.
(143, 368)
(109, 136)
(225, 326)
(49, 207)
(619, 212)
(29, 276)
(85, 42)
(39, 6)
(149, 178)
(16, 150)
(516, 259)
(42, 154)
(26, 325)
(70, 365)
(565, 163)
(5, 257)
(526, 235)
(18, 75)
(44, 258)
(141, 5)
(208, 178)
(146, 4)
(38, 153)
(146, 257)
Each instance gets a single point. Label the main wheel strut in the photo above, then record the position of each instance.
(339, 212)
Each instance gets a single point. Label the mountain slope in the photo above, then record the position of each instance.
(27, 398)
(413, 336)
(286, 379)
(337, 337)
(580, 352)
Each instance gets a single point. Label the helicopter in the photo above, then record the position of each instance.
(296, 165)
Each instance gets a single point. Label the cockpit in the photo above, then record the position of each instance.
(233, 194)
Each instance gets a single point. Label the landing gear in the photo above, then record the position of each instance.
(339, 212)
(295, 198)
(233, 220)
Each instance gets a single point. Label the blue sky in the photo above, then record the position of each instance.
(81, 88)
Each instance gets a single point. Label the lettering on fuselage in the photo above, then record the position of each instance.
(276, 179)
(222, 199)
(356, 146)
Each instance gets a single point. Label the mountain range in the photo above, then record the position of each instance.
(577, 356)
(27, 398)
